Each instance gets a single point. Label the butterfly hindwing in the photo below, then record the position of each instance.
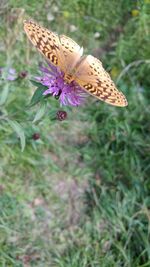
(92, 77)
(71, 51)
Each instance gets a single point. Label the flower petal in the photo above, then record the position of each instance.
(69, 94)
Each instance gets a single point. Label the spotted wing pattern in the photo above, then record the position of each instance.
(92, 77)
(61, 50)
(71, 51)
(46, 42)
(87, 71)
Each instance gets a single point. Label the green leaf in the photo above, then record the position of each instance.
(37, 84)
(37, 96)
(40, 112)
(4, 94)
(19, 131)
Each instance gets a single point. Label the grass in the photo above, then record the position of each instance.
(78, 196)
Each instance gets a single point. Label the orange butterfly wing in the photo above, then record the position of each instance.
(92, 77)
(65, 53)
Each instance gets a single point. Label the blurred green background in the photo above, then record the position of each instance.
(79, 194)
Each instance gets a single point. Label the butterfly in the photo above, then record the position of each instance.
(86, 71)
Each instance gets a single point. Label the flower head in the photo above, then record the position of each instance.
(135, 12)
(8, 74)
(70, 94)
(23, 74)
(36, 136)
(61, 115)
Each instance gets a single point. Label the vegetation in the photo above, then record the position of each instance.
(77, 195)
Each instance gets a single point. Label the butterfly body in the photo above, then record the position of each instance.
(66, 54)
(68, 78)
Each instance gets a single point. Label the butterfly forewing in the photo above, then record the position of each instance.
(91, 76)
(47, 42)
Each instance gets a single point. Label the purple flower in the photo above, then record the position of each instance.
(8, 74)
(70, 94)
